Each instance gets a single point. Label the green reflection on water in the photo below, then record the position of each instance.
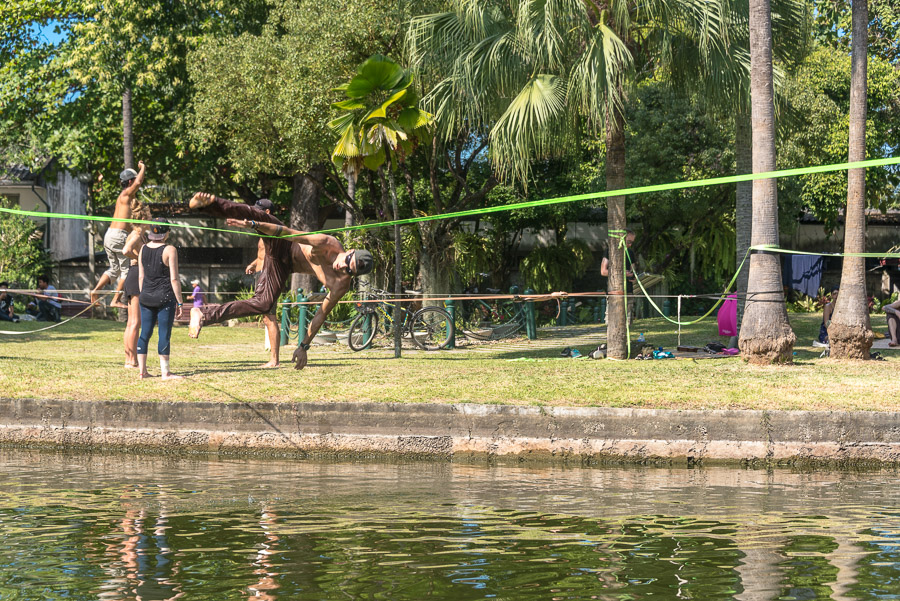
(76, 527)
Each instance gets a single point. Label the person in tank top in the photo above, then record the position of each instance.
(160, 296)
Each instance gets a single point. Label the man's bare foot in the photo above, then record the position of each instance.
(118, 305)
(196, 323)
(271, 365)
(131, 365)
(171, 376)
(200, 200)
(144, 375)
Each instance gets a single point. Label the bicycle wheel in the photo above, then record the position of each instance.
(431, 328)
(510, 318)
(362, 331)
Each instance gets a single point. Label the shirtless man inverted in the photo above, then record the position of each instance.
(114, 239)
(285, 251)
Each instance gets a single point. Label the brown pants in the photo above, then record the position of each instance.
(277, 266)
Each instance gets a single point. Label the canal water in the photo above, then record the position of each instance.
(113, 527)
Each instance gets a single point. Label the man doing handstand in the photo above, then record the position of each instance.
(317, 254)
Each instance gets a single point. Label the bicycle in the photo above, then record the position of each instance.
(430, 328)
(482, 319)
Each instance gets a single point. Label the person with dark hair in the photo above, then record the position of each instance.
(114, 239)
(319, 255)
(48, 308)
(6, 304)
(160, 296)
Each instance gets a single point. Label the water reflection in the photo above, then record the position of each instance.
(120, 529)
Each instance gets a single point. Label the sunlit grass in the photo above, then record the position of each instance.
(82, 360)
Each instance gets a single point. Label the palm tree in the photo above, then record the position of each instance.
(379, 127)
(766, 335)
(534, 73)
(850, 334)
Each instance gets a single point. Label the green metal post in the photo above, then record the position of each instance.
(451, 309)
(596, 307)
(667, 307)
(603, 308)
(563, 314)
(302, 321)
(285, 324)
(530, 321)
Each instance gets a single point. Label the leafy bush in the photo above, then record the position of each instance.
(22, 255)
(555, 268)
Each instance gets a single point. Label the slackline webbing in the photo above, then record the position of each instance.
(511, 207)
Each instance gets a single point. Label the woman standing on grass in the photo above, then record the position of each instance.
(132, 286)
(160, 297)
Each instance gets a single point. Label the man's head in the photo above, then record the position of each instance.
(354, 262)
(159, 230)
(127, 177)
(629, 238)
(43, 282)
(195, 282)
(264, 204)
(3, 287)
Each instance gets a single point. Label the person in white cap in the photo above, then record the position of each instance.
(196, 296)
(114, 239)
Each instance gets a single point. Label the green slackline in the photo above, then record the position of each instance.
(521, 205)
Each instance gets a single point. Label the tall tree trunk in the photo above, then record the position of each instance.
(766, 336)
(616, 332)
(305, 217)
(434, 267)
(743, 143)
(349, 221)
(850, 334)
(127, 129)
(398, 252)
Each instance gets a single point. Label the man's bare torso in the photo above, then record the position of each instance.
(122, 211)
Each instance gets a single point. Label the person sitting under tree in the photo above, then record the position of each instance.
(285, 251)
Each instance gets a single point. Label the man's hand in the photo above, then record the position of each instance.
(299, 358)
(178, 311)
(244, 223)
(141, 165)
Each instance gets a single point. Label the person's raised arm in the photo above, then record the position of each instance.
(279, 231)
(133, 188)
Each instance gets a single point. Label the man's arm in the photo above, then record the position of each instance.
(133, 188)
(280, 231)
(330, 302)
(257, 263)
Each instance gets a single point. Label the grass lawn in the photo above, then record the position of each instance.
(83, 359)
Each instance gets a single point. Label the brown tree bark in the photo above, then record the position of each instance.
(305, 216)
(850, 333)
(616, 332)
(127, 129)
(743, 142)
(765, 335)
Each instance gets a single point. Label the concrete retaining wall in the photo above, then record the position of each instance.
(457, 432)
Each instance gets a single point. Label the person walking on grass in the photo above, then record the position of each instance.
(320, 255)
(160, 297)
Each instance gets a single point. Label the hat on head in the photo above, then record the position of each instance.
(195, 282)
(128, 174)
(158, 230)
(264, 204)
(364, 262)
